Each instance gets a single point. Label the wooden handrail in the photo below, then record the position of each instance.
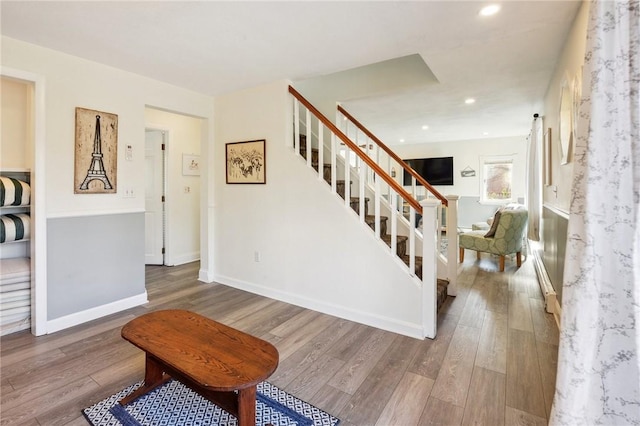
(345, 139)
(393, 155)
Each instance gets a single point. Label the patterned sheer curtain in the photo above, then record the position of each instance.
(598, 380)
(534, 179)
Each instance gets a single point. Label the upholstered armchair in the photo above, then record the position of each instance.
(504, 238)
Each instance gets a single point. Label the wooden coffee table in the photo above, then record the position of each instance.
(220, 363)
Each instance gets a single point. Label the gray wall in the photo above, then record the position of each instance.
(93, 261)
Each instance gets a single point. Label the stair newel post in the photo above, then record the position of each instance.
(453, 244)
(308, 139)
(430, 230)
(296, 125)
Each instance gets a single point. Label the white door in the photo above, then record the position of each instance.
(154, 193)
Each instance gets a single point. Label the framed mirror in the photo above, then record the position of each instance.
(577, 97)
(565, 122)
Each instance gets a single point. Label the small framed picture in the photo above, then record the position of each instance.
(246, 162)
(190, 165)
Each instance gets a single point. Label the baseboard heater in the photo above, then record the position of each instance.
(550, 297)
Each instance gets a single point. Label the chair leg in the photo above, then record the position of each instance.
(461, 254)
(478, 255)
(519, 258)
(501, 263)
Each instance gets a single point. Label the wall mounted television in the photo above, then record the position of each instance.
(436, 171)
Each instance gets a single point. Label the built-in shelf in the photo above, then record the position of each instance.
(14, 208)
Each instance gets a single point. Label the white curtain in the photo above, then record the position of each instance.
(598, 380)
(534, 179)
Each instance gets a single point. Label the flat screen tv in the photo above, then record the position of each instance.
(436, 171)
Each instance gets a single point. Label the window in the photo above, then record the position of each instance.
(496, 177)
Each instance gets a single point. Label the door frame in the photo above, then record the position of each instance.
(39, 322)
(166, 136)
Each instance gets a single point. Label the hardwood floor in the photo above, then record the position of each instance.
(493, 362)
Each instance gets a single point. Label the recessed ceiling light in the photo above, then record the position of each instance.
(469, 101)
(401, 140)
(485, 133)
(425, 127)
(492, 9)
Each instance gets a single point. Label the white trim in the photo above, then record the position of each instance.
(39, 240)
(95, 313)
(205, 276)
(383, 323)
(84, 213)
(556, 210)
(185, 258)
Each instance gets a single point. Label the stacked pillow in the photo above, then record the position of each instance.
(14, 192)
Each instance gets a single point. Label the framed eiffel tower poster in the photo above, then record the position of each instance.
(96, 156)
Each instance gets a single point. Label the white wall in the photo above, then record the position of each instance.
(17, 137)
(313, 251)
(184, 134)
(468, 153)
(569, 65)
(71, 82)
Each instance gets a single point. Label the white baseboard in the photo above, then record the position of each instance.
(95, 313)
(205, 276)
(184, 259)
(366, 318)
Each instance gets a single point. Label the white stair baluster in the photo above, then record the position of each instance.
(320, 150)
(334, 162)
(377, 195)
(309, 135)
(347, 177)
(412, 241)
(296, 125)
(394, 224)
(361, 195)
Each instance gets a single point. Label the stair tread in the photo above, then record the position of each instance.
(387, 238)
(372, 218)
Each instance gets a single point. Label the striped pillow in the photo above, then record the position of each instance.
(14, 192)
(14, 227)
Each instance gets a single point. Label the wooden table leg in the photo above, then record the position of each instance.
(153, 377)
(247, 406)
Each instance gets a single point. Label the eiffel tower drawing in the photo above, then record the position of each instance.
(96, 170)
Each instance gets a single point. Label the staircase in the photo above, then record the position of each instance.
(401, 240)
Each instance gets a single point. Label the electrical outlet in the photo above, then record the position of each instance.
(256, 256)
(187, 189)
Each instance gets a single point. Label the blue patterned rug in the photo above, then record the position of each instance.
(176, 405)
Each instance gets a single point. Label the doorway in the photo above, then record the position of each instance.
(154, 196)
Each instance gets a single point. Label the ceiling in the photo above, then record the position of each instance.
(504, 61)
